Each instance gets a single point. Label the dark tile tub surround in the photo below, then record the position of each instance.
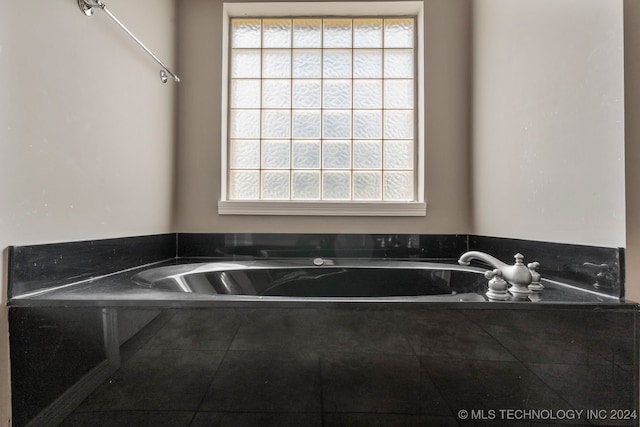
(41, 266)
(434, 246)
(31, 268)
(352, 364)
(594, 268)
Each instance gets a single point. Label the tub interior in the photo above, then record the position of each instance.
(326, 281)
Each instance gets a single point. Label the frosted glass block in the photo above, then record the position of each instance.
(307, 33)
(398, 32)
(398, 63)
(336, 155)
(276, 63)
(244, 185)
(276, 93)
(337, 64)
(398, 186)
(367, 124)
(398, 124)
(245, 33)
(336, 185)
(336, 94)
(306, 154)
(367, 32)
(367, 63)
(276, 123)
(367, 93)
(245, 93)
(367, 154)
(367, 186)
(244, 154)
(275, 154)
(307, 63)
(305, 185)
(245, 63)
(306, 124)
(245, 124)
(398, 93)
(276, 33)
(307, 93)
(337, 33)
(275, 185)
(336, 124)
(398, 155)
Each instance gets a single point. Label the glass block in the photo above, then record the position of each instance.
(307, 63)
(276, 123)
(337, 64)
(244, 185)
(245, 63)
(276, 33)
(398, 32)
(244, 154)
(275, 185)
(306, 124)
(367, 32)
(306, 154)
(367, 185)
(367, 124)
(398, 124)
(246, 33)
(336, 124)
(336, 94)
(398, 155)
(398, 186)
(336, 185)
(307, 33)
(367, 154)
(337, 33)
(398, 93)
(367, 63)
(305, 185)
(336, 155)
(367, 93)
(276, 93)
(245, 124)
(398, 63)
(275, 154)
(276, 63)
(307, 93)
(245, 93)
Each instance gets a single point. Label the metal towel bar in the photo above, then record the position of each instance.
(86, 6)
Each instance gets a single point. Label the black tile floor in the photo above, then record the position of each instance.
(372, 366)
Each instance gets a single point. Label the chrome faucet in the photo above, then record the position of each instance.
(519, 276)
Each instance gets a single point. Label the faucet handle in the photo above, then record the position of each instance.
(519, 258)
(497, 286)
(535, 285)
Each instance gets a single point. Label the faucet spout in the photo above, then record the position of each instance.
(518, 275)
(467, 257)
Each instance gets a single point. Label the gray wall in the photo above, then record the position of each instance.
(548, 120)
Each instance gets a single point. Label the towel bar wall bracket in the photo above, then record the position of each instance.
(86, 6)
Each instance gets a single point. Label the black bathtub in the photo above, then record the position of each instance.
(319, 278)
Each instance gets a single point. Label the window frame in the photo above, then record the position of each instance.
(320, 207)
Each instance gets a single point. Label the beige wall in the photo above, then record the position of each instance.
(632, 155)
(86, 129)
(548, 120)
(447, 31)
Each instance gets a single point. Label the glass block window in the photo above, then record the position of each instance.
(322, 109)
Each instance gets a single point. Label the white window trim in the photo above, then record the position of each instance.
(325, 208)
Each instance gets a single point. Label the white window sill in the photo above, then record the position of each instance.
(239, 207)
